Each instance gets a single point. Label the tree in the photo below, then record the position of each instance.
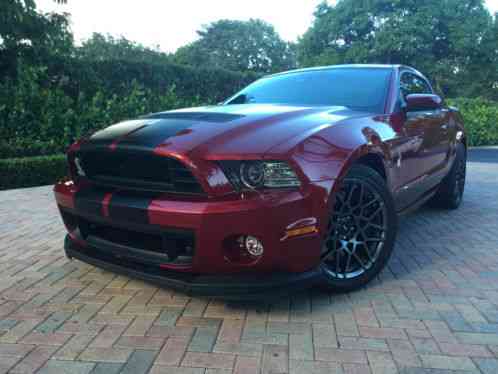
(239, 45)
(101, 48)
(27, 34)
(447, 39)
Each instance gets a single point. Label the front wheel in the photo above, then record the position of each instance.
(361, 231)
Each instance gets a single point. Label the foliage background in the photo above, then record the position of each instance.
(52, 91)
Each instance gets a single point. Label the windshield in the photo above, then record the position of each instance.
(358, 89)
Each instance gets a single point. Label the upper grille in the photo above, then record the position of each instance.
(139, 171)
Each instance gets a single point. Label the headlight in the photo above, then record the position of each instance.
(260, 174)
(252, 174)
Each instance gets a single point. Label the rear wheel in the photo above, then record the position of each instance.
(361, 231)
(450, 192)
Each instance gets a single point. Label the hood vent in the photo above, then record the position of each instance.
(197, 116)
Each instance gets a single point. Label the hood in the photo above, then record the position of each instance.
(218, 132)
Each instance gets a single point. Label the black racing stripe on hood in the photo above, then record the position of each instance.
(107, 136)
(154, 134)
(198, 116)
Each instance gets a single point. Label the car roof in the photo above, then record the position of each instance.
(346, 66)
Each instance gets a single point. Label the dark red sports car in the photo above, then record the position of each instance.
(297, 180)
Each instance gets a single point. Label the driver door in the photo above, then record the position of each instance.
(425, 138)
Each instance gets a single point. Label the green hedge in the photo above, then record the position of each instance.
(480, 116)
(481, 120)
(31, 171)
(43, 109)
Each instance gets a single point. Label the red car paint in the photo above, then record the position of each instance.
(320, 144)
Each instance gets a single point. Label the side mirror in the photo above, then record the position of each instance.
(416, 102)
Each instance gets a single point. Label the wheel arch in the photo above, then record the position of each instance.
(375, 157)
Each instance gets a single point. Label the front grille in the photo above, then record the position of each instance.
(139, 171)
(166, 246)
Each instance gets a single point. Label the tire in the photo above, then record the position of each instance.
(450, 192)
(363, 211)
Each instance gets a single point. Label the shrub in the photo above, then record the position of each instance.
(42, 112)
(31, 171)
(481, 120)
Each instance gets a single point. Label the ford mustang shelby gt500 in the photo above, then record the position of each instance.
(297, 180)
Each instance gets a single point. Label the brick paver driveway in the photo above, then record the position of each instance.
(434, 310)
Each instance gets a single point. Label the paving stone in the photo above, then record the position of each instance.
(139, 362)
(173, 351)
(345, 325)
(434, 310)
(340, 355)
(209, 360)
(487, 365)
(247, 365)
(301, 347)
(241, 349)
(73, 347)
(203, 339)
(231, 331)
(106, 354)
(347, 342)
(477, 338)
(382, 332)
(139, 342)
(275, 359)
(7, 362)
(156, 369)
(447, 362)
(46, 339)
(107, 368)
(314, 367)
(324, 336)
(34, 360)
(469, 350)
(381, 363)
(66, 367)
(7, 324)
(16, 350)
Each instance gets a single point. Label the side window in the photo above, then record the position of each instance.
(412, 84)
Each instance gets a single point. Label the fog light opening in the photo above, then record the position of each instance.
(252, 245)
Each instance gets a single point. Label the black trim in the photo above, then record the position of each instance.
(129, 207)
(88, 201)
(135, 170)
(146, 243)
(236, 287)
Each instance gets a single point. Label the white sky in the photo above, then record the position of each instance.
(169, 24)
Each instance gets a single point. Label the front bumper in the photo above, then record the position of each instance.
(287, 262)
(240, 286)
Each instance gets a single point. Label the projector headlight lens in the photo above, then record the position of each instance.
(252, 174)
(260, 174)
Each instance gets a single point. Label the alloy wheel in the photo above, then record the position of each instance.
(357, 231)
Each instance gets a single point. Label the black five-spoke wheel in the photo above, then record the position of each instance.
(361, 230)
